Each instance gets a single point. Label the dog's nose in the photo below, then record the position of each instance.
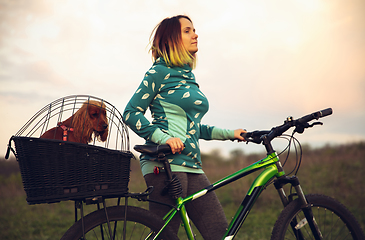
(105, 126)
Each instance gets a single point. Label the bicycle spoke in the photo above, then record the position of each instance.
(334, 221)
(134, 231)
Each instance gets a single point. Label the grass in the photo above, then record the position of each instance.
(336, 171)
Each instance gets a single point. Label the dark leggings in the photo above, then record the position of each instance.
(206, 212)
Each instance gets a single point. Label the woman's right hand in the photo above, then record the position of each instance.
(176, 145)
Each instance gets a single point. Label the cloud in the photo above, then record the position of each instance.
(16, 15)
(33, 73)
(258, 61)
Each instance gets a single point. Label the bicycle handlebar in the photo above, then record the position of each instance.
(255, 136)
(299, 124)
(315, 115)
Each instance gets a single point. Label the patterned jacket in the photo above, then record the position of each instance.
(177, 106)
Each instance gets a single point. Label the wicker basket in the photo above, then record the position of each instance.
(55, 170)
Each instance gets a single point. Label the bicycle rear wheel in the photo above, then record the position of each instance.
(141, 224)
(334, 220)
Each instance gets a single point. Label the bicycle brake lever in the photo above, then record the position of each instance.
(315, 123)
(300, 128)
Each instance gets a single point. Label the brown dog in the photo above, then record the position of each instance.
(88, 120)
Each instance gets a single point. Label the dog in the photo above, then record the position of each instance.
(89, 120)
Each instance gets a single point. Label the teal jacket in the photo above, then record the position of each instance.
(177, 106)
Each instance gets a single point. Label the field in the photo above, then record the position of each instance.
(337, 171)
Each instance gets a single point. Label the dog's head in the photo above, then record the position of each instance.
(97, 115)
(91, 119)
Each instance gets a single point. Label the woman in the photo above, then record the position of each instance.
(177, 106)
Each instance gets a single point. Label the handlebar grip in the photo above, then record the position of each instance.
(244, 135)
(315, 115)
(325, 112)
(254, 136)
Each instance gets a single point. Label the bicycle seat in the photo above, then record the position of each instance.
(153, 150)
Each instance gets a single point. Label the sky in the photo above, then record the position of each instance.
(258, 61)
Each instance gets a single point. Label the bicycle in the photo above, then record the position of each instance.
(312, 216)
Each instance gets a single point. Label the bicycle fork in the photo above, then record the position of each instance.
(305, 206)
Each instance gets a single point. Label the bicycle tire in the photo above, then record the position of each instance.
(334, 220)
(140, 223)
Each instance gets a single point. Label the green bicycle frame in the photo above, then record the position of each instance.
(272, 168)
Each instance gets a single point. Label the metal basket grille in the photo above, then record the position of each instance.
(61, 109)
(56, 170)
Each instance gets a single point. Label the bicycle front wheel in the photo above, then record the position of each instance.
(140, 224)
(334, 220)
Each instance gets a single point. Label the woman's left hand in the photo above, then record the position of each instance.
(237, 134)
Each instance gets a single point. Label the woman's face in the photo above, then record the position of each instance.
(188, 35)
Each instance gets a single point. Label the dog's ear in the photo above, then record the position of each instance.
(89, 124)
(82, 124)
(102, 121)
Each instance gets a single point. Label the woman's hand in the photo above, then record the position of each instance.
(176, 145)
(237, 134)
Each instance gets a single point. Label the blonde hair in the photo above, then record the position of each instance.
(167, 43)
